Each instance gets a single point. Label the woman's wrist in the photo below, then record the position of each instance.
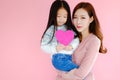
(75, 72)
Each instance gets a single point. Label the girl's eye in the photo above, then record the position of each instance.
(65, 16)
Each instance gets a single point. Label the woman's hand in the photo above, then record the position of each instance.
(70, 75)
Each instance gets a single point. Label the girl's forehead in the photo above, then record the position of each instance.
(62, 11)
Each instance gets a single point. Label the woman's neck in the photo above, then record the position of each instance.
(84, 35)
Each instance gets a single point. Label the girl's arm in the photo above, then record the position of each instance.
(49, 47)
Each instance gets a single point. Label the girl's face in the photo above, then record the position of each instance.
(61, 16)
(81, 20)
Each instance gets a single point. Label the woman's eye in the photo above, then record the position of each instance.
(83, 17)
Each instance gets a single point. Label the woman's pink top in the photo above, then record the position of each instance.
(85, 56)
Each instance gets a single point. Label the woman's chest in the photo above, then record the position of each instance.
(80, 53)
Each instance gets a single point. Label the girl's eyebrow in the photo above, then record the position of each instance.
(63, 15)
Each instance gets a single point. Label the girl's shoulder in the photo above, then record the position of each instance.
(51, 27)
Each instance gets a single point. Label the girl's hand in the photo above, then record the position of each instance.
(68, 48)
(60, 47)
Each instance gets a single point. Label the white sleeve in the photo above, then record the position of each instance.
(75, 43)
(49, 47)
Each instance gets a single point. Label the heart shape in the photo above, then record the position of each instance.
(64, 37)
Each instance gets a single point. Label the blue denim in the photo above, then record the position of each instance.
(63, 62)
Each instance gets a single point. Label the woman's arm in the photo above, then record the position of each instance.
(89, 59)
(86, 63)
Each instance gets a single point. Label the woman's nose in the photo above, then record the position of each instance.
(79, 21)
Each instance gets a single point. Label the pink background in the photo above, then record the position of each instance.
(22, 23)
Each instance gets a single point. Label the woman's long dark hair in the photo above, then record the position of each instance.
(94, 26)
(56, 5)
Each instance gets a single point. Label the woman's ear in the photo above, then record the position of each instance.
(91, 19)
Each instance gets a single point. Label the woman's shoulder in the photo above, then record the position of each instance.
(93, 42)
(94, 39)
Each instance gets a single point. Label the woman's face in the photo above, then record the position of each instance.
(81, 20)
(61, 16)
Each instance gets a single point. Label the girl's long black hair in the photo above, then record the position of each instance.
(56, 5)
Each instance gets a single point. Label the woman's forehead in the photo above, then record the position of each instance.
(81, 12)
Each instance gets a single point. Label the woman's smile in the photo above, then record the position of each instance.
(79, 27)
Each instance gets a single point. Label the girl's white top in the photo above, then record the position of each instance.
(50, 47)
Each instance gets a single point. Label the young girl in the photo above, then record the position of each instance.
(90, 35)
(59, 19)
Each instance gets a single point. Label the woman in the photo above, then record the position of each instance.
(88, 29)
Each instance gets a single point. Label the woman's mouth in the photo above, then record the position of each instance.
(78, 26)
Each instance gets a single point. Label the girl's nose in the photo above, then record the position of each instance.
(61, 18)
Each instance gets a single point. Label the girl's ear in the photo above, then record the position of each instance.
(91, 19)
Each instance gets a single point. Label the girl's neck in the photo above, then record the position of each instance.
(60, 27)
